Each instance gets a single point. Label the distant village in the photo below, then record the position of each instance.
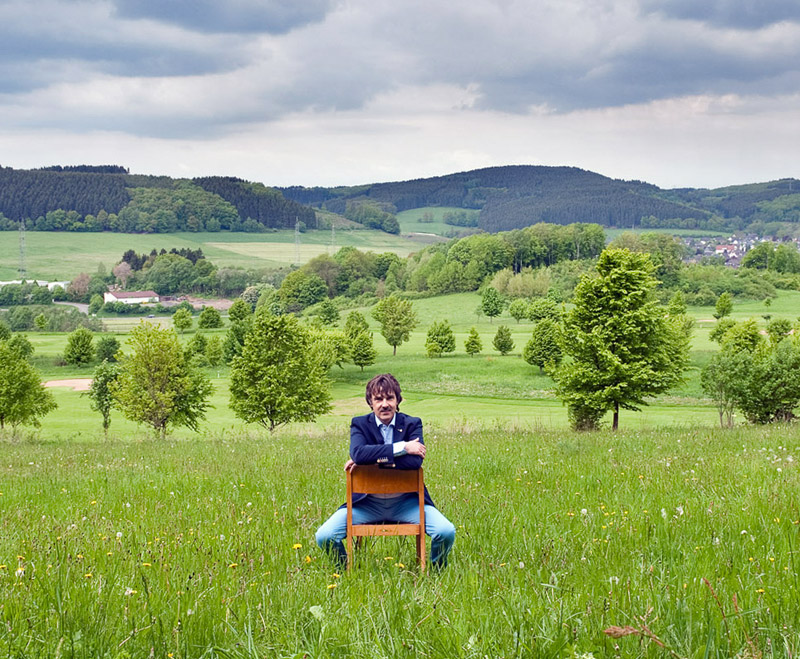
(727, 250)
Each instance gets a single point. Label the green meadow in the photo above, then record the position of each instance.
(676, 534)
(60, 256)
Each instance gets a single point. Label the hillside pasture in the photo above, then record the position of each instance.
(61, 256)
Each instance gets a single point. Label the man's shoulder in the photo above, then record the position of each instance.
(407, 419)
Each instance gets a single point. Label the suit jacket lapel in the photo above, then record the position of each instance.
(373, 429)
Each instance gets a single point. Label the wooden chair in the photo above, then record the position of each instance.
(371, 479)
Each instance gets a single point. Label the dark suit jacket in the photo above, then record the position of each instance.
(367, 447)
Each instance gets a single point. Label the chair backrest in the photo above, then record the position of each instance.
(371, 479)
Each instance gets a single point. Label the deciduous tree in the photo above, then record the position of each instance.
(544, 347)
(473, 344)
(397, 319)
(100, 396)
(23, 398)
(278, 377)
(491, 303)
(362, 349)
(209, 318)
(440, 339)
(182, 320)
(80, 347)
(502, 341)
(156, 385)
(624, 346)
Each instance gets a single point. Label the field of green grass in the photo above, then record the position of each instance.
(205, 547)
(409, 220)
(59, 256)
(202, 545)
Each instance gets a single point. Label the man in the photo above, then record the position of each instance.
(387, 437)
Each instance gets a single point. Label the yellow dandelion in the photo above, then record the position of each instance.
(109, 553)
(3, 567)
(760, 590)
(332, 585)
(94, 503)
(308, 559)
(336, 575)
(88, 575)
(400, 565)
(233, 565)
(146, 564)
(297, 545)
(388, 558)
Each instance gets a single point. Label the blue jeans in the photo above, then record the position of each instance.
(403, 509)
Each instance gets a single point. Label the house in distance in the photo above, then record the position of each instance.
(131, 297)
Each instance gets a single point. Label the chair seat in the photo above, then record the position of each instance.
(385, 529)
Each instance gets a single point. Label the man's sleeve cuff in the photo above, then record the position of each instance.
(399, 448)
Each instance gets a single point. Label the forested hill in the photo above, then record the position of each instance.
(107, 197)
(518, 196)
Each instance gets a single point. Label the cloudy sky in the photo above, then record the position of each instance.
(698, 93)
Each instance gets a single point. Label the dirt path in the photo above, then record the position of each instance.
(76, 384)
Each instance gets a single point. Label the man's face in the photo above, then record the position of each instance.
(384, 404)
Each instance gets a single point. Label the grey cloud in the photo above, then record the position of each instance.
(742, 14)
(242, 16)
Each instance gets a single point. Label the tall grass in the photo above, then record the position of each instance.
(143, 548)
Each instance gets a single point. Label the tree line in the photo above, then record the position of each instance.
(105, 199)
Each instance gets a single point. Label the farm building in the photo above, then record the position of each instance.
(131, 297)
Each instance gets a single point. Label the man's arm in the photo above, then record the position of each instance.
(365, 453)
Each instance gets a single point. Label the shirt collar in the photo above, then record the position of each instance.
(391, 423)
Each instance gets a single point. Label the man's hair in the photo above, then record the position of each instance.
(383, 384)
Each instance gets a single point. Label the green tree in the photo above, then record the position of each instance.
(301, 289)
(80, 347)
(518, 309)
(544, 347)
(723, 380)
(107, 348)
(778, 330)
(100, 396)
(362, 349)
(473, 344)
(724, 306)
(209, 318)
(278, 378)
(440, 339)
(397, 319)
(234, 339)
(214, 351)
(156, 385)
(240, 310)
(95, 303)
(543, 307)
(182, 320)
(772, 389)
(328, 313)
(41, 322)
(23, 398)
(5, 331)
(502, 341)
(742, 336)
(718, 332)
(355, 324)
(20, 344)
(623, 345)
(491, 303)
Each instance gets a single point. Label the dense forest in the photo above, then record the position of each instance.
(107, 198)
(514, 197)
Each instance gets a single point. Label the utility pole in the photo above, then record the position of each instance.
(22, 269)
(297, 241)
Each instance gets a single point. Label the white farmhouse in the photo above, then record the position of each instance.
(131, 297)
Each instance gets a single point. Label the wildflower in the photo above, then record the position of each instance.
(584, 512)
(130, 591)
(332, 585)
(94, 503)
(146, 564)
(336, 575)
(760, 590)
(20, 571)
(308, 559)
(388, 558)
(233, 565)
(88, 575)
(400, 565)
(744, 532)
(3, 567)
(679, 510)
(297, 545)
(663, 513)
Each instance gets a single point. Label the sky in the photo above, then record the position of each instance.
(679, 93)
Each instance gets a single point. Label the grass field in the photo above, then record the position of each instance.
(59, 256)
(204, 548)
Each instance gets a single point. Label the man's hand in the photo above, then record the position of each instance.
(415, 447)
(349, 466)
